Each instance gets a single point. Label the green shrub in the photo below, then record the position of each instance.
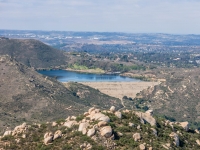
(66, 147)
(60, 121)
(79, 118)
(7, 138)
(123, 129)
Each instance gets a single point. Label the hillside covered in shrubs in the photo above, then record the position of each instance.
(107, 129)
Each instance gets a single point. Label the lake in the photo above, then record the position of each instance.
(67, 76)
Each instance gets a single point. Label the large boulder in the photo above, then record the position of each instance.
(54, 124)
(106, 131)
(99, 116)
(112, 109)
(198, 142)
(136, 136)
(130, 124)
(150, 112)
(176, 138)
(84, 131)
(105, 119)
(154, 131)
(185, 125)
(69, 124)
(102, 123)
(90, 110)
(142, 147)
(147, 117)
(57, 134)
(82, 126)
(48, 138)
(91, 132)
(94, 111)
(118, 114)
(19, 129)
(86, 114)
(73, 118)
(6, 133)
(197, 131)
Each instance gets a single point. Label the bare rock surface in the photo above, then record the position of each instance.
(118, 114)
(142, 147)
(83, 126)
(69, 124)
(176, 138)
(136, 136)
(112, 109)
(106, 131)
(57, 135)
(147, 117)
(48, 138)
(185, 125)
(91, 132)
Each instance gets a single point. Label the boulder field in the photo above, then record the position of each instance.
(107, 129)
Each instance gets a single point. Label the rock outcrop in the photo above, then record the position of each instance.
(118, 114)
(100, 117)
(87, 132)
(102, 123)
(198, 142)
(185, 125)
(142, 147)
(147, 117)
(91, 132)
(19, 129)
(57, 134)
(6, 133)
(106, 131)
(69, 124)
(112, 109)
(48, 138)
(176, 138)
(136, 136)
(83, 126)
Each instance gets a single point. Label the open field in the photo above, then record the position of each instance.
(120, 89)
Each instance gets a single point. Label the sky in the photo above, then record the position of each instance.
(135, 16)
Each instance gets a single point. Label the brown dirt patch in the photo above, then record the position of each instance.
(120, 89)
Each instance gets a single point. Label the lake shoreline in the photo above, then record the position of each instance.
(91, 71)
(77, 76)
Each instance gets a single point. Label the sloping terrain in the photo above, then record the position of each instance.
(26, 95)
(32, 53)
(178, 97)
(103, 130)
(92, 97)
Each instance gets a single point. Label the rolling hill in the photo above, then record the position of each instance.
(178, 98)
(32, 53)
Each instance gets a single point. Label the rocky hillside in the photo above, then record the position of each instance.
(100, 130)
(26, 95)
(177, 98)
(32, 53)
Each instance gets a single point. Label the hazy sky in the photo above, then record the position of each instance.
(137, 16)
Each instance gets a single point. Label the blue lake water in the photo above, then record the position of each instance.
(66, 76)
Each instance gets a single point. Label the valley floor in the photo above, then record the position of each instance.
(120, 89)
